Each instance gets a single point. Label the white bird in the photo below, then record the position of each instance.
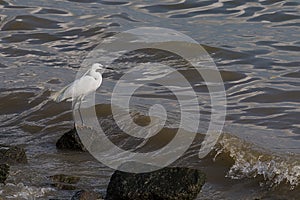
(77, 90)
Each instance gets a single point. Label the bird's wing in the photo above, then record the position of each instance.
(84, 85)
(60, 95)
(78, 88)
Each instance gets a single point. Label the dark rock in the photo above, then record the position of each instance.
(164, 184)
(70, 141)
(12, 155)
(4, 172)
(87, 195)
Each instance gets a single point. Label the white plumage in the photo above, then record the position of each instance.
(81, 87)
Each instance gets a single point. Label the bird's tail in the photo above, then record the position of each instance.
(55, 96)
(59, 96)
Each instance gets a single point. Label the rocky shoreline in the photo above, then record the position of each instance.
(164, 184)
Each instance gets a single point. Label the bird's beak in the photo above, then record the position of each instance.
(108, 69)
(105, 70)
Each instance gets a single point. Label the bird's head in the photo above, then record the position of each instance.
(97, 67)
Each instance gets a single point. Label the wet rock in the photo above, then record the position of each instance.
(4, 172)
(62, 178)
(70, 141)
(64, 182)
(12, 155)
(62, 186)
(163, 184)
(87, 195)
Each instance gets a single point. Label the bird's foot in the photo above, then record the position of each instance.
(84, 126)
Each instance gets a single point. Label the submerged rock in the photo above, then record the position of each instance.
(62, 178)
(64, 182)
(164, 184)
(70, 141)
(12, 155)
(4, 172)
(86, 195)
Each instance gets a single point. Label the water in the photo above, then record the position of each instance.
(255, 45)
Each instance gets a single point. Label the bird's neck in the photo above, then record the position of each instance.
(96, 75)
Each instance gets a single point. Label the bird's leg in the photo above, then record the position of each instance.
(74, 105)
(79, 106)
(78, 102)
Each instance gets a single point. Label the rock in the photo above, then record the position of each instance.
(4, 172)
(64, 182)
(62, 186)
(12, 155)
(164, 184)
(87, 195)
(70, 141)
(62, 178)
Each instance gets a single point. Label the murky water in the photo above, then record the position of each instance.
(255, 45)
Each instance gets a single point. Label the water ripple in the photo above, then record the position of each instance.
(29, 22)
(255, 44)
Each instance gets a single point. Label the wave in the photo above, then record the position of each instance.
(251, 161)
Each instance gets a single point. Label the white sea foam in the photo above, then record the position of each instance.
(20, 191)
(251, 161)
